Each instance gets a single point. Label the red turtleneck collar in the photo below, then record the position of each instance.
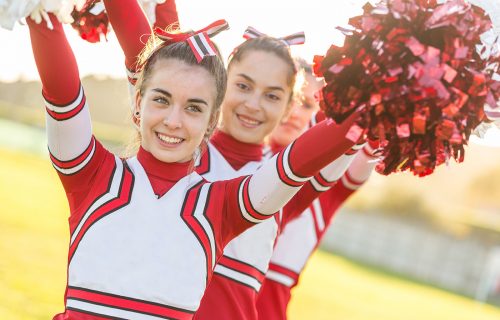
(275, 147)
(237, 153)
(162, 175)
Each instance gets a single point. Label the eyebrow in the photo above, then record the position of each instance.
(169, 95)
(252, 81)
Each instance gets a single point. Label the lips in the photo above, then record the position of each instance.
(169, 140)
(248, 121)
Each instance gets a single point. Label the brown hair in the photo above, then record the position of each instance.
(267, 44)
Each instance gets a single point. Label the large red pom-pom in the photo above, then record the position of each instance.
(91, 22)
(416, 67)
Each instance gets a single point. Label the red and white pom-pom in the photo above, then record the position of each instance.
(415, 67)
(91, 21)
(15, 10)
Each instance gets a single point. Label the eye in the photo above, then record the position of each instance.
(194, 108)
(273, 97)
(242, 86)
(161, 100)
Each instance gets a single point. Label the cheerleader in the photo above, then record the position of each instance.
(301, 236)
(261, 77)
(145, 232)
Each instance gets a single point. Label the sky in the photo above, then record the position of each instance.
(317, 18)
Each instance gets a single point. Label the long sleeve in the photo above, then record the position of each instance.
(166, 15)
(131, 28)
(323, 181)
(74, 152)
(356, 175)
(252, 199)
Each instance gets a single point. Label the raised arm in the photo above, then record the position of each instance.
(356, 175)
(74, 152)
(320, 183)
(358, 172)
(131, 27)
(166, 15)
(262, 194)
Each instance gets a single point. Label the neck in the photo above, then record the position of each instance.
(237, 153)
(276, 147)
(162, 175)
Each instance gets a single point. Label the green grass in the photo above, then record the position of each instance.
(335, 288)
(33, 248)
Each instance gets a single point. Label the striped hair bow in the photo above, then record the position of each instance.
(199, 41)
(293, 39)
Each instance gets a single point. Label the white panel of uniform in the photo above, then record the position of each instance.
(148, 233)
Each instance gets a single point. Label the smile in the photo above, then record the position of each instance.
(248, 122)
(169, 139)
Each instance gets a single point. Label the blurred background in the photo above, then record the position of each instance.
(403, 247)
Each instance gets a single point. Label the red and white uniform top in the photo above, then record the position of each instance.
(218, 165)
(302, 235)
(239, 273)
(145, 234)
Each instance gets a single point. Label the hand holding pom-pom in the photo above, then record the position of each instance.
(415, 67)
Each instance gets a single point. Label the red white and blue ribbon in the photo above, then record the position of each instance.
(290, 40)
(199, 41)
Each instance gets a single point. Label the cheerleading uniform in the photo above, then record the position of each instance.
(238, 275)
(301, 236)
(246, 258)
(145, 235)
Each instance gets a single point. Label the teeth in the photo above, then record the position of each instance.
(249, 121)
(168, 139)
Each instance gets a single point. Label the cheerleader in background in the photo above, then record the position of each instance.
(301, 236)
(146, 231)
(261, 77)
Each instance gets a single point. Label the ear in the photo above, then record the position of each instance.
(137, 108)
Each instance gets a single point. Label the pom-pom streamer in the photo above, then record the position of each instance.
(423, 74)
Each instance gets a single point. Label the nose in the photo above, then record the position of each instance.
(252, 103)
(173, 119)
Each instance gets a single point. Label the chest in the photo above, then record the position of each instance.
(133, 244)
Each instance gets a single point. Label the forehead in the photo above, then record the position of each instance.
(182, 79)
(266, 69)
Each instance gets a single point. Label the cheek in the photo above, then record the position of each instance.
(149, 116)
(232, 100)
(305, 115)
(277, 112)
(198, 127)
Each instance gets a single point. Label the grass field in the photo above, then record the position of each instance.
(33, 246)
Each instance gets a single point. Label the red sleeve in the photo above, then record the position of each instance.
(224, 211)
(55, 62)
(166, 14)
(300, 202)
(74, 152)
(131, 27)
(321, 145)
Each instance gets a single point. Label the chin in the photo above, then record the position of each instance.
(168, 157)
